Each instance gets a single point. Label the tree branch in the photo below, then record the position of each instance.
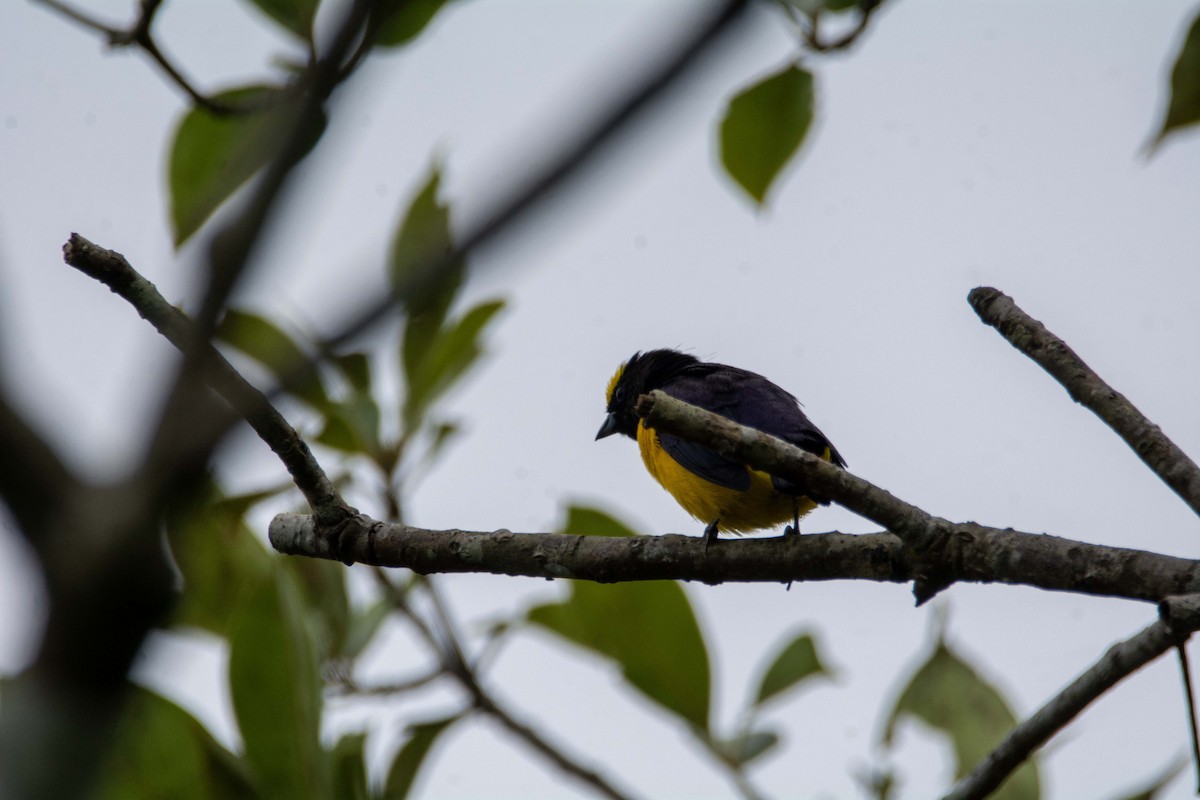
(1179, 618)
(1159, 453)
(980, 554)
(114, 271)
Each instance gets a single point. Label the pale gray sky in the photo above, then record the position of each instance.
(957, 145)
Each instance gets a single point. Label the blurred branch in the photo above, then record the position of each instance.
(815, 41)
(565, 162)
(114, 271)
(808, 23)
(1159, 453)
(1179, 618)
(187, 433)
(443, 640)
(979, 554)
(138, 34)
(33, 480)
(343, 685)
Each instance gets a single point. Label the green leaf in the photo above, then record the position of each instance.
(322, 586)
(1154, 789)
(443, 432)
(763, 128)
(160, 752)
(294, 15)
(363, 626)
(398, 22)
(421, 241)
(747, 746)
(947, 694)
(350, 768)
(408, 761)
(220, 558)
(213, 155)
(446, 359)
(586, 521)
(649, 629)
(356, 368)
(794, 663)
(1184, 108)
(267, 344)
(276, 691)
(352, 425)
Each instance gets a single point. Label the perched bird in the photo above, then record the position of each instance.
(725, 494)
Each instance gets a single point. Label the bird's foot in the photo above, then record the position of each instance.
(710, 534)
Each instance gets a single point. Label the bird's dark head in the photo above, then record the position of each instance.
(642, 373)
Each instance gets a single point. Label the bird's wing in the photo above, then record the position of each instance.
(752, 400)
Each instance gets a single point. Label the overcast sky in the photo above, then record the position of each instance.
(958, 145)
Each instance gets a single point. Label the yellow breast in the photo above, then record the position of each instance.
(760, 506)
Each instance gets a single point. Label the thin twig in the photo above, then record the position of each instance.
(349, 686)
(138, 35)
(453, 663)
(1180, 616)
(812, 35)
(1164, 458)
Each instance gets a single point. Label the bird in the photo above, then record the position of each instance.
(727, 495)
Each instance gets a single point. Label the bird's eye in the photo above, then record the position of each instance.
(619, 394)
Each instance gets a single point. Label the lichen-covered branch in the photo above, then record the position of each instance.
(980, 554)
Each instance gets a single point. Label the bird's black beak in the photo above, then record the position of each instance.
(608, 428)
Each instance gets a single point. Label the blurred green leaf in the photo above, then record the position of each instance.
(267, 344)
(877, 783)
(587, 521)
(220, 558)
(276, 691)
(448, 356)
(294, 15)
(422, 239)
(160, 752)
(1154, 789)
(352, 425)
(443, 432)
(350, 768)
(763, 128)
(356, 368)
(322, 587)
(364, 624)
(797, 661)
(212, 155)
(400, 21)
(1184, 107)
(403, 772)
(649, 629)
(947, 694)
(747, 746)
